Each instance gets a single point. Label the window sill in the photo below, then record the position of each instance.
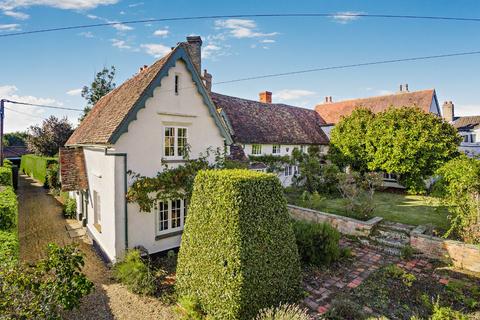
(168, 235)
(98, 227)
(174, 160)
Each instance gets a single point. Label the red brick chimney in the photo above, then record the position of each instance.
(265, 97)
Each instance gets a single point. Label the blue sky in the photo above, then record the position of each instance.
(50, 68)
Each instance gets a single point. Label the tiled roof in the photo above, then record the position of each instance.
(270, 123)
(73, 174)
(332, 112)
(466, 123)
(110, 111)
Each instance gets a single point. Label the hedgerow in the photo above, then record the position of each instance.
(8, 208)
(36, 166)
(8, 246)
(238, 252)
(6, 176)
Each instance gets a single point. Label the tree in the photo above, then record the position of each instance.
(101, 85)
(348, 143)
(17, 138)
(410, 143)
(50, 137)
(459, 188)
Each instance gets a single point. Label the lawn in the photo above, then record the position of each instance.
(408, 209)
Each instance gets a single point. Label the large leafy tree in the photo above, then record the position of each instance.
(50, 136)
(410, 143)
(101, 85)
(17, 138)
(348, 146)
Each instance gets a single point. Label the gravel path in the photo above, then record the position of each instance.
(41, 222)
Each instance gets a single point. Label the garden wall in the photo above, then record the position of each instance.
(36, 166)
(345, 225)
(461, 255)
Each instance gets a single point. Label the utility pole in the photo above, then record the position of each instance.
(2, 114)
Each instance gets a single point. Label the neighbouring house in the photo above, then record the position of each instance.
(468, 127)
(261, 128)
(332, 112)
(149, 121)
(14, 153)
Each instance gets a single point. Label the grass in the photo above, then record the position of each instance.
(407, 209)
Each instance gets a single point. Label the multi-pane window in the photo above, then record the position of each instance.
(256, 149)
(171, 215)
(276, 149)
(288, 170)
(175, 142)
(303, 148)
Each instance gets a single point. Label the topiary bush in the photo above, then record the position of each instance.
(8, 208)
(238, 252)
(6, 176)
(134, 273)
(284, 312)
(318, 243)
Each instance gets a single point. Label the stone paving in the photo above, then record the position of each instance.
(323, 286)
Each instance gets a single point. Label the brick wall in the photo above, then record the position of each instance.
(73, 174)
(345, 225)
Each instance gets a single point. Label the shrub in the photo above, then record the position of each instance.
(135, 274)
(8, 246)
(284, 312)
(238, 252)
(344, 309)
(42, 290)
(189, 309)
(317, 242)
(52, 176)
(70, 208)
(446, 313)
(8, 208)
(407, 252)
(6, 176)
(36, 166)
(459, 187)
(7, 163)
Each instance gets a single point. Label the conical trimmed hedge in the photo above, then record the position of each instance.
(238, 253)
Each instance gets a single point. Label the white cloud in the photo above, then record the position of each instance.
(86, 34)
(16, 14)
(155, 49)
(210, 50)
(292, 94)
(133, 5)
(74, 92)
(161, 33)
(60, 4)
(26, 115)
(268, 41)
(241, 28)
(9, 27)
(346, 17)
(92, 16)
(120, 26)
(121, 44)
(384, 92)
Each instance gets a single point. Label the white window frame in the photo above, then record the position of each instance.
(175, 143)
(259, 149)
(170, 229)
(288, 170)
(276, 149)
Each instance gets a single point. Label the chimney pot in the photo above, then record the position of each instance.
(265, 97)
(195, 51)
(330, 99)
(326, 99)
(406, 87)
(401, 88)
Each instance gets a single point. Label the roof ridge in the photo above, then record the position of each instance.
(264, 103)
(379, 96)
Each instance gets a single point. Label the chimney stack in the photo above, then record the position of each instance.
(195, 50)
(448, 111)
(265, 97)
(207, 78)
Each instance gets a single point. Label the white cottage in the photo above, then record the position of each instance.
(140, 126)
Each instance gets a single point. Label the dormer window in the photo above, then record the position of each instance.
(176, 83)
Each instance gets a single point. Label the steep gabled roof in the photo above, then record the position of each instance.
(466, 123)
(111, 115)
(332, 112)
(270, 123)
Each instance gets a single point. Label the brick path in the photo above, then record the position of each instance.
(324, 286)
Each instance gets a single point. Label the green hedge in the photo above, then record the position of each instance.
(8, 225)
(36, 166)
(238, 252)
(6, 176)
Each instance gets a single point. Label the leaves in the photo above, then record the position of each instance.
(101, 85)
(47, 139)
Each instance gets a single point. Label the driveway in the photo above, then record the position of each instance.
(41, 222)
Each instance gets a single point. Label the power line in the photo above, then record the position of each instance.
(24, 113)
(42, 105)
(273, 15)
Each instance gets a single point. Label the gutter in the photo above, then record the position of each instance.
(124, 156)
